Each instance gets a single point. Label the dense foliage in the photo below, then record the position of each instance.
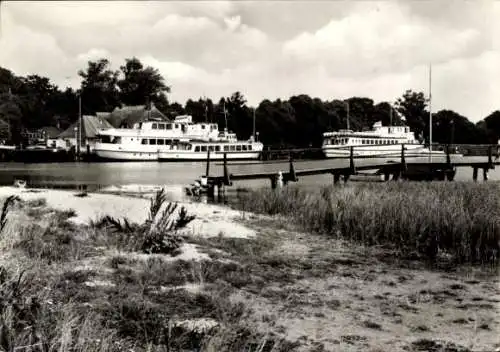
(33, 102)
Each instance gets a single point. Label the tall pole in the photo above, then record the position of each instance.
(430, 113)
(79, 123)
(254, 123)
(225, 116)
(347, 113)
(390, 115)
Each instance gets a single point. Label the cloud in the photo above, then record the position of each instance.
(270, 49)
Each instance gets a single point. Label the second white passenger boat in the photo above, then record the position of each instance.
(381, 141)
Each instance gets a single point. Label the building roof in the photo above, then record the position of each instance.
(127, 116)
(90, 126)
(50, 131)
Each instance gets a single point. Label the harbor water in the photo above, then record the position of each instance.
(174, 174)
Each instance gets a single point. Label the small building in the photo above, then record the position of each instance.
(48, 136)
(127, 116)
(90, 127)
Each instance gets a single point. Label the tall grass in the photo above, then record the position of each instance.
(460, 219)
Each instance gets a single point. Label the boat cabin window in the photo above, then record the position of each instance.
(154, 126)
(238, 148)
(244, 148)
(233, 148)
(160, 142)
(203, 148)
(197, 148)
(176, 125)
(117, 140)
(152, 141)
(105, 139)
(250, 147)
(211, 148)
(226, 148)
(144, 141)
(169, 126)
(161, 126)
(202, 127)
(217, 148)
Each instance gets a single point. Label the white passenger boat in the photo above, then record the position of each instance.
(381, 141)
(180, 139)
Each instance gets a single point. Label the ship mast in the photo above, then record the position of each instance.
(225, 115)
(254, 123)
(347, 113)
(430, 113)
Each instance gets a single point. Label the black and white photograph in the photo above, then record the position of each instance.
(250, 176)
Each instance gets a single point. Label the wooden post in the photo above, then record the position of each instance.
(490, 157)
(210, 190)
(291, 174)
(448, 158)
(336, 178)
(403, 159)
(274, 180)
(346, 177)
(485, 174)
(221, 191)
(352, 167)
(387, 175)
(474, 174)
(207, 172)
(227, 177)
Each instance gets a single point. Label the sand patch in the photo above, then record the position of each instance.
(211, 220)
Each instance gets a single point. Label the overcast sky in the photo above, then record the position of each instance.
(271, 49)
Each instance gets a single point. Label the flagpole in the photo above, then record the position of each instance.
(254, 123)
(79, 123)
(430, 113)
(225, 115)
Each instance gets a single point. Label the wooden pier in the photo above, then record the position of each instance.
(436, 167)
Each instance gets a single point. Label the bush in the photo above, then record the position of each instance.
(158, 234)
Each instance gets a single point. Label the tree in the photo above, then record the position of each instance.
(99, 87)
(38, 101)
(141, 85)
(450, 127)
(382, 112)
(413, 107)
(492, 124)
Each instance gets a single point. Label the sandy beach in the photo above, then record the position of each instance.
(211, 220)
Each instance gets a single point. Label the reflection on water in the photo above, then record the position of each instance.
(179, 174)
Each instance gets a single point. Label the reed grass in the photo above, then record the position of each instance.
(458, 219)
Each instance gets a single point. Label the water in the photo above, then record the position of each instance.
(177, 173)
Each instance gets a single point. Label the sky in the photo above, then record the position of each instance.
(271, 49)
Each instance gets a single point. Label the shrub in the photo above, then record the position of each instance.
(158, 234)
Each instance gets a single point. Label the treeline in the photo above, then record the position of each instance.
(33, 102)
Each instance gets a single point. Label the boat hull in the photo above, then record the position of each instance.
(170, 156)
(118, 153)
(124, 155)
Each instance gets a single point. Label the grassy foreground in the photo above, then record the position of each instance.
(113, 285)
(457, 219)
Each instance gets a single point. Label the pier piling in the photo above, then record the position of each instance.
(474, 174)
(448, 157)
(336, 178)
(485, 174)
(352, 167)
(207, 171)
(490, 157)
